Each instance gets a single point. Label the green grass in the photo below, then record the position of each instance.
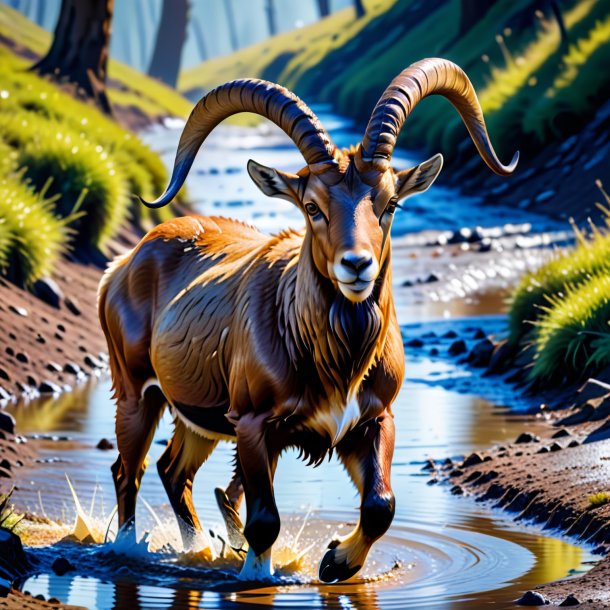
(532, 88)
(564, 336)
(591, 257)
(9, 519)
(599, 499)
(32, 237)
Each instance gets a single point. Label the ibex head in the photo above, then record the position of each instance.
(348, 198)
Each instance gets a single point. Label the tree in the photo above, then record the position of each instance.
(471, 11)
(171, 36)
(79, 51)
(360, 10)
(271, 17)
(232, 25)
(324, 8)
(199, 38)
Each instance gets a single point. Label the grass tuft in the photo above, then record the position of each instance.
(599, 499)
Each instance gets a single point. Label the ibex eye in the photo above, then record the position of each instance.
(392, 206)
(312, 208)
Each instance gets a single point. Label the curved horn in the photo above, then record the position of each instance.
(267, 99)
(427, 77)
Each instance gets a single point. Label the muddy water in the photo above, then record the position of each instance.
(442, 551)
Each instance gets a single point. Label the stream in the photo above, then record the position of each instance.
(442, 551)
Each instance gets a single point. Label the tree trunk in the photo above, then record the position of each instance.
(232, 26)
(271, 17)
(471, 12)
(79, 51)
(360, 10)
(199, 39)
(324, 8)
(171, 35)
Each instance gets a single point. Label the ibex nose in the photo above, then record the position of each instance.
(357, 261)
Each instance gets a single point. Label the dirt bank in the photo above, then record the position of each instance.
(558, 480)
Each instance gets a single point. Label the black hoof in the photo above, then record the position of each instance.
(331, 571)
(235, 528)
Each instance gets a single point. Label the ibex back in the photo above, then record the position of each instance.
(290, 340)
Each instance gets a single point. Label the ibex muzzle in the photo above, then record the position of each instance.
(289, 340)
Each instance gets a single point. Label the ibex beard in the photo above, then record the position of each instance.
(274, 342)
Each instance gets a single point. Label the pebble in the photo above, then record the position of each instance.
(570, 600)
(47, 290)
(414, 343)
(21, 357)
(532, 598)
(574, 443)
(54, 367)
(20, 311)
(450, 334)
(72, 368)
(105, 445)
(472, 460)
(457, 347)
(561, 433)
(555, 447)
(48, 387)
(429, 465)
(73, 305)
(4, 375)
(92, 361)
(7, 422)
(481, 353)
(479, 334)
(434, 351)
(527, 437)
(456, 490)
(543, 450)
(61, 566)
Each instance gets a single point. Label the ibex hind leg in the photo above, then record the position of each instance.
(229, 501)
(137, 417)
(177, 467)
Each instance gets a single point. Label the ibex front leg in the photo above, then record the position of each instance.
(258, 462)
(367, 454)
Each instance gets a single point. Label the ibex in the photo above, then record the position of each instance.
(272, 342)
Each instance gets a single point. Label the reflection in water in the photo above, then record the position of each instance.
(441, 551)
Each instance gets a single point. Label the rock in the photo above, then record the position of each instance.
(457, 347)
(429, 465)
(501, 358)
(31, 381)
(431, 279)
(561, 433)
(105, 445)
(20, 311)
(48, 387)
(73, 305)
(456, 472)
(7, 422)
(580, 416)
(53, 367)
(13, 561)
(527, 437)
(574, 443)
(434, 351)
(4, 394)
(472, 460)
(481, 353)
(543, 450)
(479, 334)
(4, 375)
(456, 490)
(62, 566)
(22, 357)
(599, 434)
(450, 334)
(92, 362)
(47, 290)
(532, 598)
(72, 368)
(5, 587)
(570, 600)
(555, 447)
(414, 343)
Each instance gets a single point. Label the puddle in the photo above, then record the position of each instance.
(441, 551)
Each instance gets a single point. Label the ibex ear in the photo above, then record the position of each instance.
(274, 183)
(419, 178)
